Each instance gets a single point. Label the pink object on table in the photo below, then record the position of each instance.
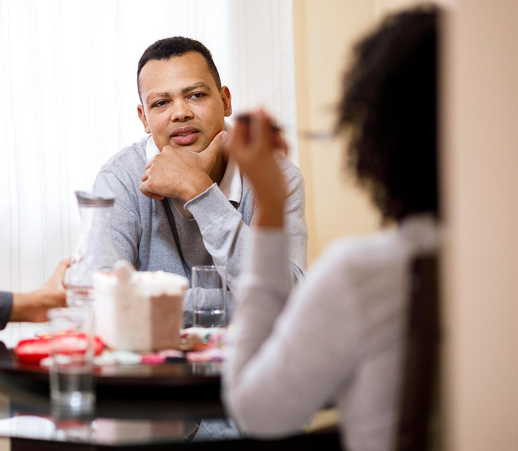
(208, 355)
(153, 359)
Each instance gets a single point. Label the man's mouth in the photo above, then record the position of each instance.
(185, 135)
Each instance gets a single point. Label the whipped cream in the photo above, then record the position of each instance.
(146, 283)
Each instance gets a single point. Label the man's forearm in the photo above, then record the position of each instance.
(223, 230)
(226, 236)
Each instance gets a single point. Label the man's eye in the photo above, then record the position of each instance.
(197, 95)
(160, 103)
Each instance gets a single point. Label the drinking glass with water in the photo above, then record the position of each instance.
(72, 350)
(209, 292)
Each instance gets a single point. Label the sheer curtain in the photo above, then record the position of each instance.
(68, 96)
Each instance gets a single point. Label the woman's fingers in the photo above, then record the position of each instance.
(260, 131)
(254, 135)
(236, 144)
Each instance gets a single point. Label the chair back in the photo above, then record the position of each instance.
(421, 361)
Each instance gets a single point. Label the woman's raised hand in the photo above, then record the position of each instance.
(252, 143)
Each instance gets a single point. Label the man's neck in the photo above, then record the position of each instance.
(218, 171)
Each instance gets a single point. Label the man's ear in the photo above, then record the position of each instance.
(143, 118)
(227, 100)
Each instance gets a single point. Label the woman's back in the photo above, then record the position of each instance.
(339, 340)
(378, 285)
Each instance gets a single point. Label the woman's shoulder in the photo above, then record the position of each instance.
(413, 236)
(352, 248)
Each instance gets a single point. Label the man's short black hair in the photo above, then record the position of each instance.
(389, 106)
(176, 46)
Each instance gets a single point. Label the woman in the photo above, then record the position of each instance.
(338, 338)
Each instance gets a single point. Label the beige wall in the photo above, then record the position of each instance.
(323, 36)
(481, 264)
(480, 162)
(325, 31)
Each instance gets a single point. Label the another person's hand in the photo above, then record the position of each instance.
(253, 144)
(33, 306)
(181, 173)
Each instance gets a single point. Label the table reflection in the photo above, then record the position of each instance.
(206, 368)
(98, 431)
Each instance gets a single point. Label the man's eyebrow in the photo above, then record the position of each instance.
(187, 89)
(155, 95)
(190, 88)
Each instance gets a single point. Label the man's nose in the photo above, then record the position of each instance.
(181, 112)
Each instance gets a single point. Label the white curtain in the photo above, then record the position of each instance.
(68, 102)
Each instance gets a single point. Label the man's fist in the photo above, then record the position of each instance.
(180, 172)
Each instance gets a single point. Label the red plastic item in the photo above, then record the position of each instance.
(35, 349)
(153, 359)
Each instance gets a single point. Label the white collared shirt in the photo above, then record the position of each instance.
(230, 184)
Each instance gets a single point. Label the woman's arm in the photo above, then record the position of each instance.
(289, 352)
(253, 143)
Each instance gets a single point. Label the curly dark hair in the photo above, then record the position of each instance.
(389, 106)
(177, 46)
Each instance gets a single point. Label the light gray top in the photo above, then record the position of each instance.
(337, 338)
(219, 230)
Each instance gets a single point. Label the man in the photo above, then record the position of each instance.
(33, 306)
(179, 201)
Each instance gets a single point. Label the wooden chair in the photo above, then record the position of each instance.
(421, 365)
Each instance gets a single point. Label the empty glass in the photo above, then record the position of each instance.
(209, 292)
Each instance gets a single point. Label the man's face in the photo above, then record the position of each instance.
(181, 104)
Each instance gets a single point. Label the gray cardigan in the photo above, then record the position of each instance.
(6, 305)
(219, 231)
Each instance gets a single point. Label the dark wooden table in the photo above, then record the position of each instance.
(139, 407)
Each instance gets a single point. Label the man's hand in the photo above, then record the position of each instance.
(34, 306)
(181, 173)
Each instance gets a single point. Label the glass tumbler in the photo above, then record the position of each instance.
(72, 391)
(209, 292)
